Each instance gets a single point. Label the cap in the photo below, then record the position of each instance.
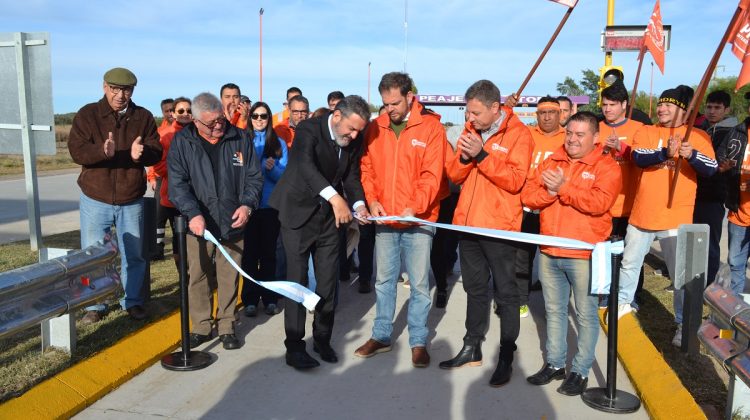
(120, 76)
(680, 96)
(244, 98)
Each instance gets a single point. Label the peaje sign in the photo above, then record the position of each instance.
(458, 100)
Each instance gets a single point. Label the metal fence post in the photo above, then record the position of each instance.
(691, 261)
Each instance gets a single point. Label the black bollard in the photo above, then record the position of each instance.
(609, 399)
(186, 359)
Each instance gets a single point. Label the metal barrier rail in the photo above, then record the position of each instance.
(32, 294)
(726, 336)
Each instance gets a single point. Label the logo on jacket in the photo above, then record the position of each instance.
(588, 175)
(237, 159)
(496, 146)
(415, 143)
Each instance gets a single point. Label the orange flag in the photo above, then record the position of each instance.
(739, 39)
(569, 3)
(653, 39)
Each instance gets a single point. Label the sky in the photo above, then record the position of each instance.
(182, 48)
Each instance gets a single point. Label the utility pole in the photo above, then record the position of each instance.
(610, 22)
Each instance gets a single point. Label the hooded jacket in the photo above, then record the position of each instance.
(733, 147)
(714, 188)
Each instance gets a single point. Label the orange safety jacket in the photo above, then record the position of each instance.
(580, 209)
(160, 169)
(405, 171)
(491, 188)
(285, 132)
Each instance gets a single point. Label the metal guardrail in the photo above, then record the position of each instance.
(29, 295)
(726, 336)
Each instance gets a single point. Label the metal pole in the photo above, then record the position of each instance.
(610, 22)
(185, 360)
(29, 149)
(260, 17)
(369, 66)
(406, 32)
(651, 90)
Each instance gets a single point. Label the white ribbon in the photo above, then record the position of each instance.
(291, 290)
(601, 255)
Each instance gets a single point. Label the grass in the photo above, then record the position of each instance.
(13, 164)
(23, 365)
(701, 375)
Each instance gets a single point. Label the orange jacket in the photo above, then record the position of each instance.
(280, 116)
(650, 209)
(491, 189)
(165, 127)
(285, 132)
(580, 209)
(405, 171)
(630, 172)
(160, 169)
(544, 145)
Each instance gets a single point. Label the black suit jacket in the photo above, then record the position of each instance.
(313, 165)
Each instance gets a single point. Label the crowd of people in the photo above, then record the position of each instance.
(290, 195)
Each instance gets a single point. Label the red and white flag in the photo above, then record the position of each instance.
(569, 3)
(739, 40)
(653, 38)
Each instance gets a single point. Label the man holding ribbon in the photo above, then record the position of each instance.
(215, 181)
(574, 190)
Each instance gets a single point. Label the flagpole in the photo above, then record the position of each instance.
(631, 103)
(544, 52)
(651, 90)
(693, 108)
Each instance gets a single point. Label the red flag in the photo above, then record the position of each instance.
(653, 39)
(569, 3)
(739, 39)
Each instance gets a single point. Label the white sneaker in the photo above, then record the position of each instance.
(677, 340)
(624, 309)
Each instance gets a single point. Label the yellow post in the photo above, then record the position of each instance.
(610, 22)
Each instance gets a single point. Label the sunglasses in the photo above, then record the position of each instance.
(183, 111)
(259, 116)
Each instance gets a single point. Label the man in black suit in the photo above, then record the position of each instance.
(323, 165)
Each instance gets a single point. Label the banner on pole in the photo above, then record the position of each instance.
(739, 40)
(653, 39)
(569, 3)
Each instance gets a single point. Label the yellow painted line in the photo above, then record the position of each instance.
(661, 392)
(79, 386)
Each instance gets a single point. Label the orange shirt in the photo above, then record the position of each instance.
(406, 171)
(625, 131)
(580, 209)
(650, 210)
(285, 132)
(491, 189)
(742, 216)
(544, 145)
(280, 117)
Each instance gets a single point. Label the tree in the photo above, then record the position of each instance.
(587, 85)
(569, 87)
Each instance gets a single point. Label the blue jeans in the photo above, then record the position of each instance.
(637, 245)
(560, 276)
(739, 251)
(414, 243)
(96, 219)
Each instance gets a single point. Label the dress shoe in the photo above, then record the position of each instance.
(230, 341)
(547, 374)
(300, 360)
(441, 299)
(196, 340)
(272, 309)
(502, 373)
(137, 312)
(371, 348)
(91, 317)
(364, 287)
(469, 355)
(574, 384)
(419, 357)
(251, 311)
(327, 354)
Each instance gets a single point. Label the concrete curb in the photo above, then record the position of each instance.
(662, 394)
(79, 386)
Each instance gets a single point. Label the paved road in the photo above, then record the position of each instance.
(255, 383)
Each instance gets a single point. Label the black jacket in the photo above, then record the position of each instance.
(714, 188)
(193, 180)
(733, 148)
(314, 165)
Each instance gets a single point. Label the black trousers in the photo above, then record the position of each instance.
(164, 214)
(366, 251)
(443, 253)
(480, 258)
(525, 256)
(259, 256)
(319, 236)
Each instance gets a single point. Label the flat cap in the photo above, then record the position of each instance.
(120, 76)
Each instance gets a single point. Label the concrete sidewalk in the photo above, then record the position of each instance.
(254, 382)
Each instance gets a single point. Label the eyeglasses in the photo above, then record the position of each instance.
(217, 122)
(259, 116)
(299, 112)
(126, 90)
(183, 111)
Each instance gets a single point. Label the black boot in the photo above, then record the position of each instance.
(504, 368)
(470, 355)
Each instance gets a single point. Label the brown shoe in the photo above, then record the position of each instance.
(371, 348)
(419, 357)
(91, 317)
(137, 312)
